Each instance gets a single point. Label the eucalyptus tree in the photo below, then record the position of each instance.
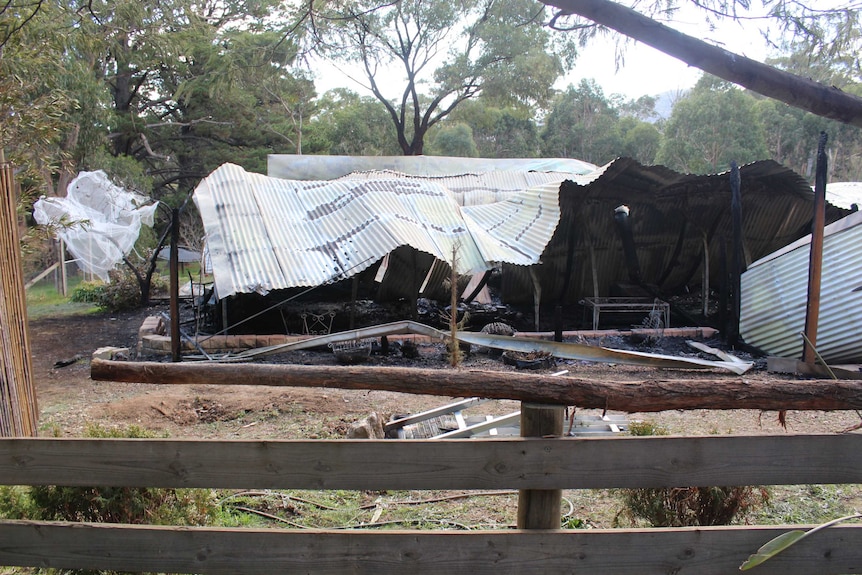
(582, 123)
(792, 134)
(498, 131)
(454, 139)
(640, 140)
(348, 124)
(714, 124)
(194, 84)
(15, 15)
(422, 58)
(43, 89)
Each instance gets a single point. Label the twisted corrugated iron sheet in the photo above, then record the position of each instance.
(267, 233)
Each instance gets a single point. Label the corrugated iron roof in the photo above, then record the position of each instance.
(775, 294)
(275, 233)
(844, 194)
(673, 216)
(474, 189)
(301, 167)
(267, 233)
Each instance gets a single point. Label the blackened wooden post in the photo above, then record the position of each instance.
(176, 354)
(540, 508)
(705, 283)
(558, 322)
(723, 288)
(354, 294)
(736, 255)
(815, 261)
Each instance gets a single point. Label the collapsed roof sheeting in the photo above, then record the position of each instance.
(266, 233)
(675, 219)
(510, 211)
(299, 167)
(271, 233)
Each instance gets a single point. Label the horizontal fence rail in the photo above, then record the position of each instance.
(518, 463)
(695, 551)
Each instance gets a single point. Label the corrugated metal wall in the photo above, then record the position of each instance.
(775, 294)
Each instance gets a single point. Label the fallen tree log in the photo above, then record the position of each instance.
(725, 392)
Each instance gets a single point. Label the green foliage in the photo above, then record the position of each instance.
(351, 125)
(44, 300)
(643, 428)
(498, 131)
(575, 523)
(775, 546)
(710, 127)
(795, 504)
(582, 124)
(640, 140)
(454, 140)
(122, 292)
(89, 292)
(35, 100)
(691, 506)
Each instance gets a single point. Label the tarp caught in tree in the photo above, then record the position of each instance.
(98, 221)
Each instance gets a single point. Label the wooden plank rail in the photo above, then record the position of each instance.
(514, 463)
(696, 551)
(517, 463)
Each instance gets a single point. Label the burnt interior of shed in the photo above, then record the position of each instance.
(646, 233)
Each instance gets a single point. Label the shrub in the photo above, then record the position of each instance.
(135, 505)
(122, 292)
(687, 506)
(88, 292)
(691, 506)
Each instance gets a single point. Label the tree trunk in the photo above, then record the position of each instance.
(828, 102)
(718, 392)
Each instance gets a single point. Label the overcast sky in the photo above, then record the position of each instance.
(647, 71)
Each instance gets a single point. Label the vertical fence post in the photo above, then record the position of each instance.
(540, 508)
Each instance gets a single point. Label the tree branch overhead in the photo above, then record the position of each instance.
(825, 101)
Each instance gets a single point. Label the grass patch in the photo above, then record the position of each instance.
(43, 300)
(338, 509)
(804, 504)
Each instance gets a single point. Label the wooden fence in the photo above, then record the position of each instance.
(18, 412)
(517, 463)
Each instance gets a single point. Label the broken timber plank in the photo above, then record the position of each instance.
(797, 367)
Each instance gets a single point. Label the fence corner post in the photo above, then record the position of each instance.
(540, 508)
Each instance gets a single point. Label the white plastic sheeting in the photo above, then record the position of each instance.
(98, 221)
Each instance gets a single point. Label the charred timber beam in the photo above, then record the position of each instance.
(815, 259)
(652, 395)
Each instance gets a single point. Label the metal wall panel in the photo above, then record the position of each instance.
(775, 295)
